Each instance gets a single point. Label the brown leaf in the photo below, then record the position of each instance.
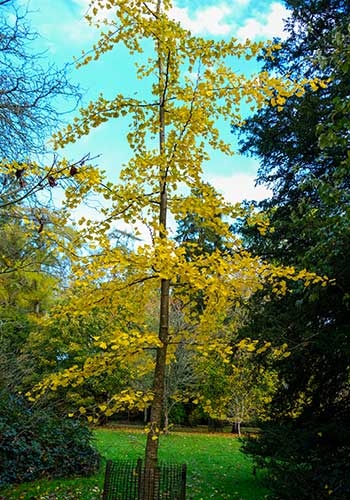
(52, 181)
(73, 170)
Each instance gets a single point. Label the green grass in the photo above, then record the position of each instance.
(216, 468)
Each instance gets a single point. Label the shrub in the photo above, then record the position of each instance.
(304, 462)
(37, 442)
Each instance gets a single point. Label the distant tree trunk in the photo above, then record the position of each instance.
(166, 422)
(215, 425)
(236, 427)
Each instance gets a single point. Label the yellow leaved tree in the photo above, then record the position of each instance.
(190, 86)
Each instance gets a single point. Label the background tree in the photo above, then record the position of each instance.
(236, 389)
(34, 97)
(31, 263)
(181, 380)
(30, 89)
(78, 341)
(28, 280)
(303, 150)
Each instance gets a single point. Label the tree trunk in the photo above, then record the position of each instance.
(166, 421)
(236, 427)
(151, 454)
(159, 379)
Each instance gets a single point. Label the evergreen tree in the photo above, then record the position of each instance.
(303, 151)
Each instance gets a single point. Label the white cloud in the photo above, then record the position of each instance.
(239, 187)
(209, 20)
(269, 25)
(215, 20)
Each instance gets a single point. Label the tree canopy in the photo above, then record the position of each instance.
(171, 127)
(303, 152)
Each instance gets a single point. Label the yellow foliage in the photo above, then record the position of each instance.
(173, 124)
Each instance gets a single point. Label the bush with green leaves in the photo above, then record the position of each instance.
(304, 460)
(36, 442)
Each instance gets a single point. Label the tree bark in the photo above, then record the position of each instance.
(151, 454)
(159, 379)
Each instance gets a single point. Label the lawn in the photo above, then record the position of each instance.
(216, 468)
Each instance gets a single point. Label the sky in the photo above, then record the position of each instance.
(65, 33)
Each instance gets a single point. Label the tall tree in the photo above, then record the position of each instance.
(171, 128)
(303, 150)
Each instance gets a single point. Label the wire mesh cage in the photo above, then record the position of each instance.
(127, 480)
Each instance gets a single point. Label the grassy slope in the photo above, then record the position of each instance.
(216, 468)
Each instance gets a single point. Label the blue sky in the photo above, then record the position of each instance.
(65, 33)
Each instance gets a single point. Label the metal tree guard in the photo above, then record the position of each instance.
(127, 480)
